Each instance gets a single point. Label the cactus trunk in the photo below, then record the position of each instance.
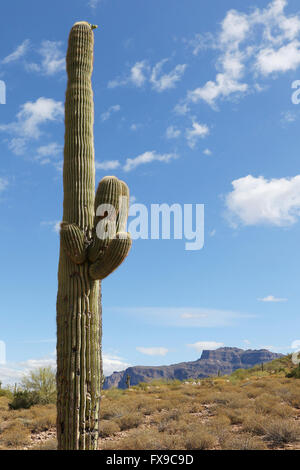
(84, 259)
(78, 316)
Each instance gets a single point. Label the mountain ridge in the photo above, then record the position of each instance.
(225, 359)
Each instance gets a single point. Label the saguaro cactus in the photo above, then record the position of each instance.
(84, 258)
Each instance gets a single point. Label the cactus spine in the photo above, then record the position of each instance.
(84, 259)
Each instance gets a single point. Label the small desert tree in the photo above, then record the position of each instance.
(42, 382)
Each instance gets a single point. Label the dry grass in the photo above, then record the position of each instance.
(238, 412)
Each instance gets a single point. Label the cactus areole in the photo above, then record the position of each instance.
(85, 258)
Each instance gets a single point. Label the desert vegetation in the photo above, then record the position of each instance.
(256, 409)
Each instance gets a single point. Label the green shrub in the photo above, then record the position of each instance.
(23, 399)
(295, 373)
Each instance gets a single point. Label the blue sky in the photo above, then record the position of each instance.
(193, 105)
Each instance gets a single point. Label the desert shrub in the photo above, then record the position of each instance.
(199, 439)
(130, 421)
(265, 403)
(235, 416)
(255, 424)
(280, 431)
(145, 440)
(110, 410)
(4, 401)
(108, 428)
(295, 373)
(283, 411)
(243, 442)
(16, 435)
(23, 399)
(4, 392)
(43, 418)
(42, 383)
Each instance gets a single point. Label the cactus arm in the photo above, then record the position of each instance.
(73, 242)
(124, 209)
(108, 193)
(114, 255)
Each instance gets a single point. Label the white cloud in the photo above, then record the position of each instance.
(107, 165)
(161, 82)
(210, 345)
(226, 83)
(94, 3)
(283, 59)
(53, 59)
(3, 184)
(264, 41)
(156, 351)
(107, 114)
(184, 317)
(172, 132)
(212, 233)
(207, 152)
(54, 224)
(181, 108)
(141, 72)
(271, 298)
(30, 118)
(13, 372)
(194, 316)
(136, 76)
(20, 51)
(46, 151)
(200, 42)
(134, 127)
(113, 363)
(198, 131)
(256, 200)
(148, 157)
(288, 117)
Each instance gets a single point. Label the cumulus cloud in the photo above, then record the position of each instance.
(210, 345)
(156, 351)
(18, 53)
(207, 152)
(160, 81)
(52, 59)
(198, 131)
(111, 110)
(263, 42)
(141, 72)
(13, 372)
(285, 58)
(147, 157)
(44, 152)
(29, 120)
(53, 224)
(257, 200)
(136, 76)
(113, 363)
(172, 132)
(107, 165)
(271, 298)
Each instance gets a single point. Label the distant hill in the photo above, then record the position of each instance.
(225, 360)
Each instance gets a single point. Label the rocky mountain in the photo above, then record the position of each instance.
(225, 360)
